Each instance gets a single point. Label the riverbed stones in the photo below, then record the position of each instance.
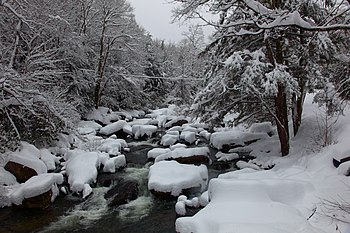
(122, 193)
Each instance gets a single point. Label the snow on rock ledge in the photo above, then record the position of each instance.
(187, 155)
(173, 177)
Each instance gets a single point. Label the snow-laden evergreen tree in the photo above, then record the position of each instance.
(268, 54)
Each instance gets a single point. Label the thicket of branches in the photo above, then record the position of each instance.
(59, 59)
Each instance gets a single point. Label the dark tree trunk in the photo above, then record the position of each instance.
(281, 105)
(282, 119)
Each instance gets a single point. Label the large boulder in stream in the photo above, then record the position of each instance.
(25, 163)
(122, 193)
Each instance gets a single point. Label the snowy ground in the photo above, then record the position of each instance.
(294, 196)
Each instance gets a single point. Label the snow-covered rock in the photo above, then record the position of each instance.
(111, 146)
(173, 177)
(177, 145)
(49, 159)
(169, 138)
(89, 125)
(178, 121)
(264, 127)
(243, 164)
(36, 186)
(115, 127)
(143, 121)
(81, 168)
(234, 138)
(6, 178)
(103, 115)
(205, 134)
(226, 156)
(143, 130)
(154, 153)
(25, 162)
(186, 155)
(188, 136)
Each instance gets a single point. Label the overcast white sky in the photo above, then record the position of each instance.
(155, 16)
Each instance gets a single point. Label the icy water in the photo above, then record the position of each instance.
(146, 214)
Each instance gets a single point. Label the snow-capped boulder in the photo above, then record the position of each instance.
(25, 163)
(49, 159)
(81, 168)
(172, 178)
(178, 121)
(120, 128)
(226, 156)
(154, 153)
(142, 131)
(188, 136)
(196, 155)
(170, 138)
(37, 192)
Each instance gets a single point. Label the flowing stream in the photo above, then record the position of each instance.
(146, 214)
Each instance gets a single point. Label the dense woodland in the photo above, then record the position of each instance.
(59, 59)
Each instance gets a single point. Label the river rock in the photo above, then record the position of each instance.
(179, 121)
(195, 159)
(41, 201)
(21, 172)
(337, 162)
(122, 193)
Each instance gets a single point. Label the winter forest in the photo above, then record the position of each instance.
(105, 128)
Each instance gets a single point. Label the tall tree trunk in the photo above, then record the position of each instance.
(298, 101)
(297, 110)
(100, 69)
(281, 106)
(282, 120)
(15, 47)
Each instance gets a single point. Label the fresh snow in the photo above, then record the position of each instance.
(173, 177)
(183, 153)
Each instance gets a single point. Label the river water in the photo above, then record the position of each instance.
(146, 214)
